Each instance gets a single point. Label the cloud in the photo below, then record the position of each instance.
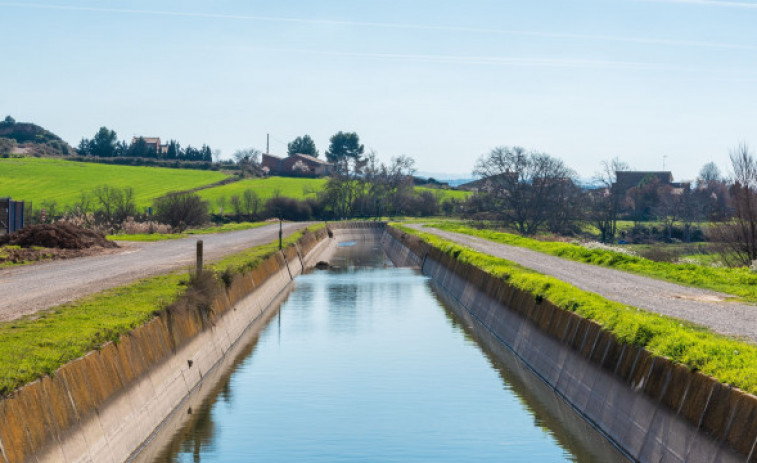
(419, 27)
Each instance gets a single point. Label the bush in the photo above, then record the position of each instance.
(288, 209)
(181, 210)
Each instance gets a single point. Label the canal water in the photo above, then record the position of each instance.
(367, 363)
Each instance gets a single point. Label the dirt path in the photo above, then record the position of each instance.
(701, 306)
(28, 289)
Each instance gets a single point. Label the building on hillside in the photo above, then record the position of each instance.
(634, 178)
(296, 165)
(153, 144)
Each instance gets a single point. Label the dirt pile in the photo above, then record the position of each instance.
(60, 235)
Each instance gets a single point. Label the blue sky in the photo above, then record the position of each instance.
(442, 81)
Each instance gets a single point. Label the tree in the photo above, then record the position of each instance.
(523, 183)
(709, 173)
(104, 144)
(302, 145)
(9, 120)
(344, 145)
(140, 149)
(605, 203)
(250, 202)
(739, 236)
(181, 210)
(116, 204)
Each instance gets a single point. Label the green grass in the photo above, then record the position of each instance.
(265, 188)
(443, 195)
(34, 347)
(44, 179)
(739, 282)
(31, 348)
(729, 360)
(150, 237)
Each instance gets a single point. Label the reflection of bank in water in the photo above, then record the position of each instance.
(362, 363)
(350, 254)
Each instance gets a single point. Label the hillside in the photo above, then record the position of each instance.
(42, 179)
(266, 188)
(33, 139)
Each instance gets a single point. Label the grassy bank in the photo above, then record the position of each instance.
(34, 347)
(150, 237)
(739, 282)
(44, 179)
(730, 361)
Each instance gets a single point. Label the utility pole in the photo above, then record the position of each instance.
(268, 143)
(663, 161)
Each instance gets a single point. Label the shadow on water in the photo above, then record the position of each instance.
(550, 413)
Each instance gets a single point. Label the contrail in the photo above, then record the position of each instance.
(512, 61)
(402, 26)
(715, 3)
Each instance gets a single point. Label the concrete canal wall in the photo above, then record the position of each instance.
(652, 409)
(104, 406)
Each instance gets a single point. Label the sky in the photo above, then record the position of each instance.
(652, 82)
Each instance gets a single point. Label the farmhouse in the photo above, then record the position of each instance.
(633, 178)
(297, 164)
(153, 144)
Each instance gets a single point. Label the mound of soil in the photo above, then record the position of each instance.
(60, 235)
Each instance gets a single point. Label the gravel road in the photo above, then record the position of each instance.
(28, 289)
(700, 306)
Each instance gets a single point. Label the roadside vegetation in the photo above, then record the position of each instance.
(729, 360)
(35, 346)
(740, 282)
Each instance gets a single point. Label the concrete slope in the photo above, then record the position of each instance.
(701, 306)
(31, 288)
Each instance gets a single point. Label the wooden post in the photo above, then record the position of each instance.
(281, 232)
(199, 257)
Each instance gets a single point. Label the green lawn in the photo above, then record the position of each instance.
(44, 179)
(740, 282)
(729, 360)
(265, 188)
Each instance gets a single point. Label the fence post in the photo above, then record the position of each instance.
(199, 257)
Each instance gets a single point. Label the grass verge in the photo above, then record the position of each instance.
(729, 360)
(740, 282)
(33, 347)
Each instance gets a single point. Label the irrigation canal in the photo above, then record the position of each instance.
(366, 362)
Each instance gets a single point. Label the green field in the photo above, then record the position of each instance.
(43, 179)
(298, 188)
(443, 195)
(265, 188)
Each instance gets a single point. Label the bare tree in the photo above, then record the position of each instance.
(523, 182)
(250, 202)
(605, 203)
(739, 236)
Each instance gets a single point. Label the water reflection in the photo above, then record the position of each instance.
(362, 365)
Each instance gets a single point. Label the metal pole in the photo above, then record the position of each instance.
(199, 257)
(281, 233)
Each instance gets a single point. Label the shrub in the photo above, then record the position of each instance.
(181, 210)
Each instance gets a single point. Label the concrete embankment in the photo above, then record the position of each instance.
(104, 406)
(649, 407)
